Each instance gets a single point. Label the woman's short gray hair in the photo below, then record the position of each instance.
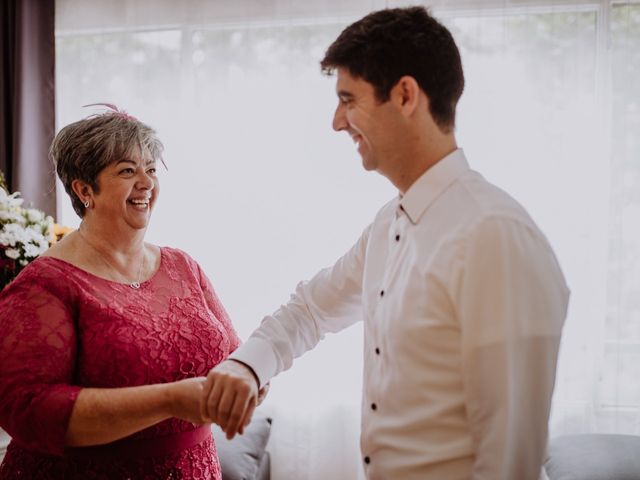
(81, 150)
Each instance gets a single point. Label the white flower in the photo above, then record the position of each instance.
(12, 253)
(8, 238)
(31, 250)
(10, 201)
(10, 216)
(14, 201)
(43, 245)
(33, 232)
(34, 215)
(24, 232)
(16, 233)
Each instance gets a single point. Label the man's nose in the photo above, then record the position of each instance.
(339, 119)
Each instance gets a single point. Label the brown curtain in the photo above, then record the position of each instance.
(27, 95)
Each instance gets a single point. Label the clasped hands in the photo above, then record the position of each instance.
(227, 396)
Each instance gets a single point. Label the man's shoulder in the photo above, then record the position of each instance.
(487, 200)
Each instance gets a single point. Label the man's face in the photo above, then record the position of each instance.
(367, 121)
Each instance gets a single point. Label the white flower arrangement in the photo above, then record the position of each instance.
(25, 233)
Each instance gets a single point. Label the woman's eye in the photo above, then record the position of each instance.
(152, 171)
(127, 170)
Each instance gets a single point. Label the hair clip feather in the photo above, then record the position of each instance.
(112, 107)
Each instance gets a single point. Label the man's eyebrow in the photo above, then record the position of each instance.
(344, 94)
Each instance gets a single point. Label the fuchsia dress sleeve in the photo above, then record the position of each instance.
(37, 359)
(62, 329)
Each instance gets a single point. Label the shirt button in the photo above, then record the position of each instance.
(382, 293)
(377, 351)
(374, 406)
(367, 460)
(397, 238)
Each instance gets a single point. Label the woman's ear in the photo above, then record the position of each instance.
(82, 190)
(406, 93)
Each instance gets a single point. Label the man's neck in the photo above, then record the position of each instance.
(416, 161)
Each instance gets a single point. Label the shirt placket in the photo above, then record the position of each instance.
(395, 236)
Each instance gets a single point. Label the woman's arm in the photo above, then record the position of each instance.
(38, 346)
(41, 408)
(103, 415)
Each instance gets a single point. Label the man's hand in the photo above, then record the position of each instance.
(262, 393)
(229, 396)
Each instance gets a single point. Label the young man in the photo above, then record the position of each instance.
(461, 295)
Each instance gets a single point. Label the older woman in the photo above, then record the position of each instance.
(105, 337)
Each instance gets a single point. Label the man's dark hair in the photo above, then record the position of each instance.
(388, 44)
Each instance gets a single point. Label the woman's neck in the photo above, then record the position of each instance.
(113, 241)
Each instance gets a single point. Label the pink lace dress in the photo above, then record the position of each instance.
(62, 329)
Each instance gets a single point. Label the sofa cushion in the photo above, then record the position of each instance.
(594, 457)
(243, 457)
(264, 470)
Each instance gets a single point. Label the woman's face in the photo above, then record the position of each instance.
(128, 190)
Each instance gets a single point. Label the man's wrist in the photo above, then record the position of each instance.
(255, 375)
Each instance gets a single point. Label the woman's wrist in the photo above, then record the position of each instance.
(183, 399)
(170, 399)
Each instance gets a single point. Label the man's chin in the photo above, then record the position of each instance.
(368, 165)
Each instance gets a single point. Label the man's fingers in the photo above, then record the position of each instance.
(225, 407)
(262, 393)
(213, 402)
(247, 417)
(244, 400)
(229, 392)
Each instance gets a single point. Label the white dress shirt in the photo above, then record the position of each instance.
(463, 303)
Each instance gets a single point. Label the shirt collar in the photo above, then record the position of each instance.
(431, 184)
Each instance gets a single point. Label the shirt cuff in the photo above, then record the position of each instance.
(260, 356)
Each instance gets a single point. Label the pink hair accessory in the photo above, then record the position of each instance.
(112, 107)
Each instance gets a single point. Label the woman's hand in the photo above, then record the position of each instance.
(184, 398)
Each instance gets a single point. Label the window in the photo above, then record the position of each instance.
(263, 193)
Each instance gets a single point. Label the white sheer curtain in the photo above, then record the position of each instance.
(262, 193)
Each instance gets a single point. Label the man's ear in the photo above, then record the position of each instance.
(82, 190)
(406, 94)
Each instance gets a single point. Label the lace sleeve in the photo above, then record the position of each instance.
(37, 355)
(215, 305)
